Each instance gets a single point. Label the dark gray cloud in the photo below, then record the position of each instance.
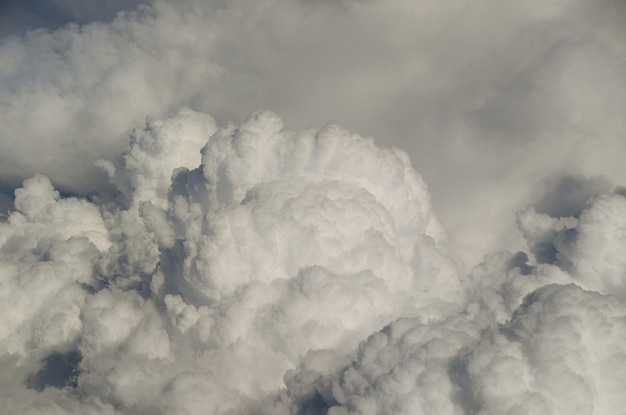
(568, 195)
(19, 16)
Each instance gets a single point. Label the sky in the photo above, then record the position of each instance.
(298, 207)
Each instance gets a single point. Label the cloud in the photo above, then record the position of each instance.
(48, 248)
(289, 263)
(276, 244)
(557, 354)
(258, 281)
(157, 259)
(528, 340)
(144, 171)
(17, 17)
(488, 100)
(587, 246)
(75, 93)
(403, 368)
(569, 194)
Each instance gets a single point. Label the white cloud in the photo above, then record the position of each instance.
(48, 248)
(588, 247)
(278, 244)
(488, 99)
(254, 281)
(559, 353)
(246, 268)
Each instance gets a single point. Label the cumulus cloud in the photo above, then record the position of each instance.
(404, 368)
(48, 248)
(157, 259)
(264, 248)
(488, 99)
(257, 281)
(276, 244)
(556, 355)
(588, 247)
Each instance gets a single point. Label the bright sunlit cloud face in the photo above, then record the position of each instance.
(212, 260)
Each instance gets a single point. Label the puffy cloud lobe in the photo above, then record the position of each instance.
(321, 185)
(282, 242)
(244, 285)
(594, 249)
(144, 171)
(498, 285)
(588, 247)
(201, 295)
(523, 345)
(404, 368)
(540, 231)
(48, 248)
(125, 349)
(560, 353)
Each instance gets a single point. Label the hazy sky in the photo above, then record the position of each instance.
(218, 205)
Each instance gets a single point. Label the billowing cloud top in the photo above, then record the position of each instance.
(257, 279)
